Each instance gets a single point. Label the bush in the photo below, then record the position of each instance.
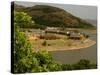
(49, 37)
(44, 43)
(83, 64)
(66, 67)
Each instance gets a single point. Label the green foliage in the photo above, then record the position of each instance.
(23, 20)
(66, 67)
(26, 60)
(82, 64)
(46, 62)
(22, 52)
(43, 57)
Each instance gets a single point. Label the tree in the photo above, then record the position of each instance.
(23, 20)
(23, 53)
(26, 59)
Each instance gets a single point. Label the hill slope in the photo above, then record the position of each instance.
(53, 16)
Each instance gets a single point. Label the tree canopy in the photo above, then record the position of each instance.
(23, 20)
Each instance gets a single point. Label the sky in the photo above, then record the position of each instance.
(84, 12)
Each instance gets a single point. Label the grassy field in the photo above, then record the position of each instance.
(63, 43)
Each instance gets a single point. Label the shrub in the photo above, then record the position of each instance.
(83, 64)
(44, 43)
(49, 37)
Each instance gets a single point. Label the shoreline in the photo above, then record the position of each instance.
(73, 46)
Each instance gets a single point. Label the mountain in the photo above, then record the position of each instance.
(53, 16)
(94, 22)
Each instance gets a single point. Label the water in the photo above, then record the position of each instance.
(70, 57)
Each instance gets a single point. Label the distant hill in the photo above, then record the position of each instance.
(94, 22)
(53, 16)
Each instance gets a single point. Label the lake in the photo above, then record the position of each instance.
(70, 57)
